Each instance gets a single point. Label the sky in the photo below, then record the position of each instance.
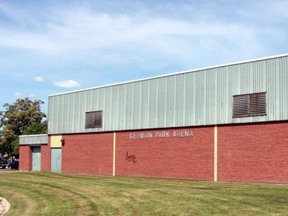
(54, 46)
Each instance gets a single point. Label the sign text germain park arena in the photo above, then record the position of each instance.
(161, 134)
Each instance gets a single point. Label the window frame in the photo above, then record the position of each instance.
(91, 122)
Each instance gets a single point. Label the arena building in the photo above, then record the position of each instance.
(222, 123)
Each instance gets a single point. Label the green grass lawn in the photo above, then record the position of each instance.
(32, 193)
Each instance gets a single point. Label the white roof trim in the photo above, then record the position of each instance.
(175, 73)
(33, 135)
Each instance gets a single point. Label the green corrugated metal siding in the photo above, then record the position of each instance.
(199, 97)
(33, 139)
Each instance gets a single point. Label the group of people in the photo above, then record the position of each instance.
(6, 160)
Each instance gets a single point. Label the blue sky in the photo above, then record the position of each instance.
(49, 47)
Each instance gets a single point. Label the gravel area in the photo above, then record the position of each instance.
(4, 206)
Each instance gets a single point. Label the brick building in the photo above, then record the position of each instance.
(221, 123)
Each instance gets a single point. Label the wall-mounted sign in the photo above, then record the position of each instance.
(161, 134)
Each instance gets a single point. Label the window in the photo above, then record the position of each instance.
(249, 105)
(93, 119)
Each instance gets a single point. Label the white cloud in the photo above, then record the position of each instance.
(18, 94)
(157, 33)
(67, 84)
(68, 30)
(32, 95)
(38, 79)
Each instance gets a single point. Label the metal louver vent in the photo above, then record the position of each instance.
(249, 105)
(93, 119)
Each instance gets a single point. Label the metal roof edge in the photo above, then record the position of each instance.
(33, 135)
(173, 73)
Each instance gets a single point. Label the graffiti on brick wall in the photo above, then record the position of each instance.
(131, 158)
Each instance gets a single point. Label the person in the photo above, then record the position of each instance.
(10, 160)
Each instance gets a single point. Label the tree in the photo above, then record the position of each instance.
(22, 117)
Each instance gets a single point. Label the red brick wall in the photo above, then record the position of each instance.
(246, 153)
(25, 157)
(88, 154)
(45, 158)
(253, 153)
(188, 157)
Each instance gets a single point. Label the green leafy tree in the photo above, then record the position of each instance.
(22, 117)
(37, 128)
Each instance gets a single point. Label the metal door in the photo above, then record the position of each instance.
(56, 158)
(36, 158)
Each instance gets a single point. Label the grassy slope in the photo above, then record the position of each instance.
(58, 194)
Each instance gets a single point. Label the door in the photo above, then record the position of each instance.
(56, 158)
(36, 158)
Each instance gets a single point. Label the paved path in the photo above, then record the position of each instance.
(4, 206)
